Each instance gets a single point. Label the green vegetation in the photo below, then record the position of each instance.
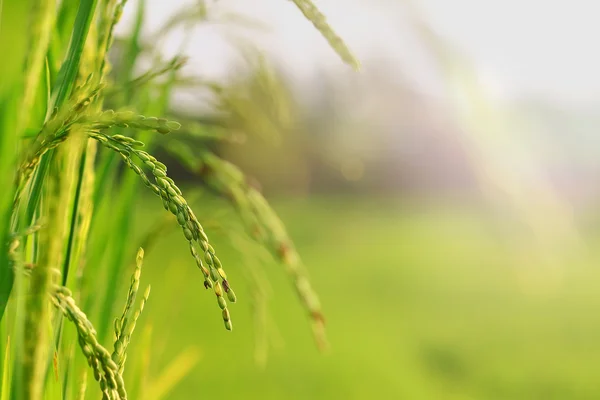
(423, 301)
(70, 121)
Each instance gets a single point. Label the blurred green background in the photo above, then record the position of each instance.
(423, 301)
(444, 204)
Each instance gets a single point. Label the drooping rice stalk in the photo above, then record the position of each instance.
(312, 13)
(66, 211)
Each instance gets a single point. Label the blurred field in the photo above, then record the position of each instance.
(422, 301)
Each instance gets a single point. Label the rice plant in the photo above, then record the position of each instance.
(71, 121)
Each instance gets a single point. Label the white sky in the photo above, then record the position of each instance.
(541, 47)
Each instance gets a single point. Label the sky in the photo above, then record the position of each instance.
(519, 47)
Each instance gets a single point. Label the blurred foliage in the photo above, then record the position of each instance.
(424, 302)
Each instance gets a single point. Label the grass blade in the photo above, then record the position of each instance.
(66, 80)
(70, 67)
(5, 387)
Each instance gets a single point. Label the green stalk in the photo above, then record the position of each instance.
(42, 21)
(70, 67)
(37, 317)
(128, 190)
(74, 214)
(66, 80)
(8, 153)
(66, 77)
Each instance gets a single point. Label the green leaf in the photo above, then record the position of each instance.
(66, 80)
(5, 386)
